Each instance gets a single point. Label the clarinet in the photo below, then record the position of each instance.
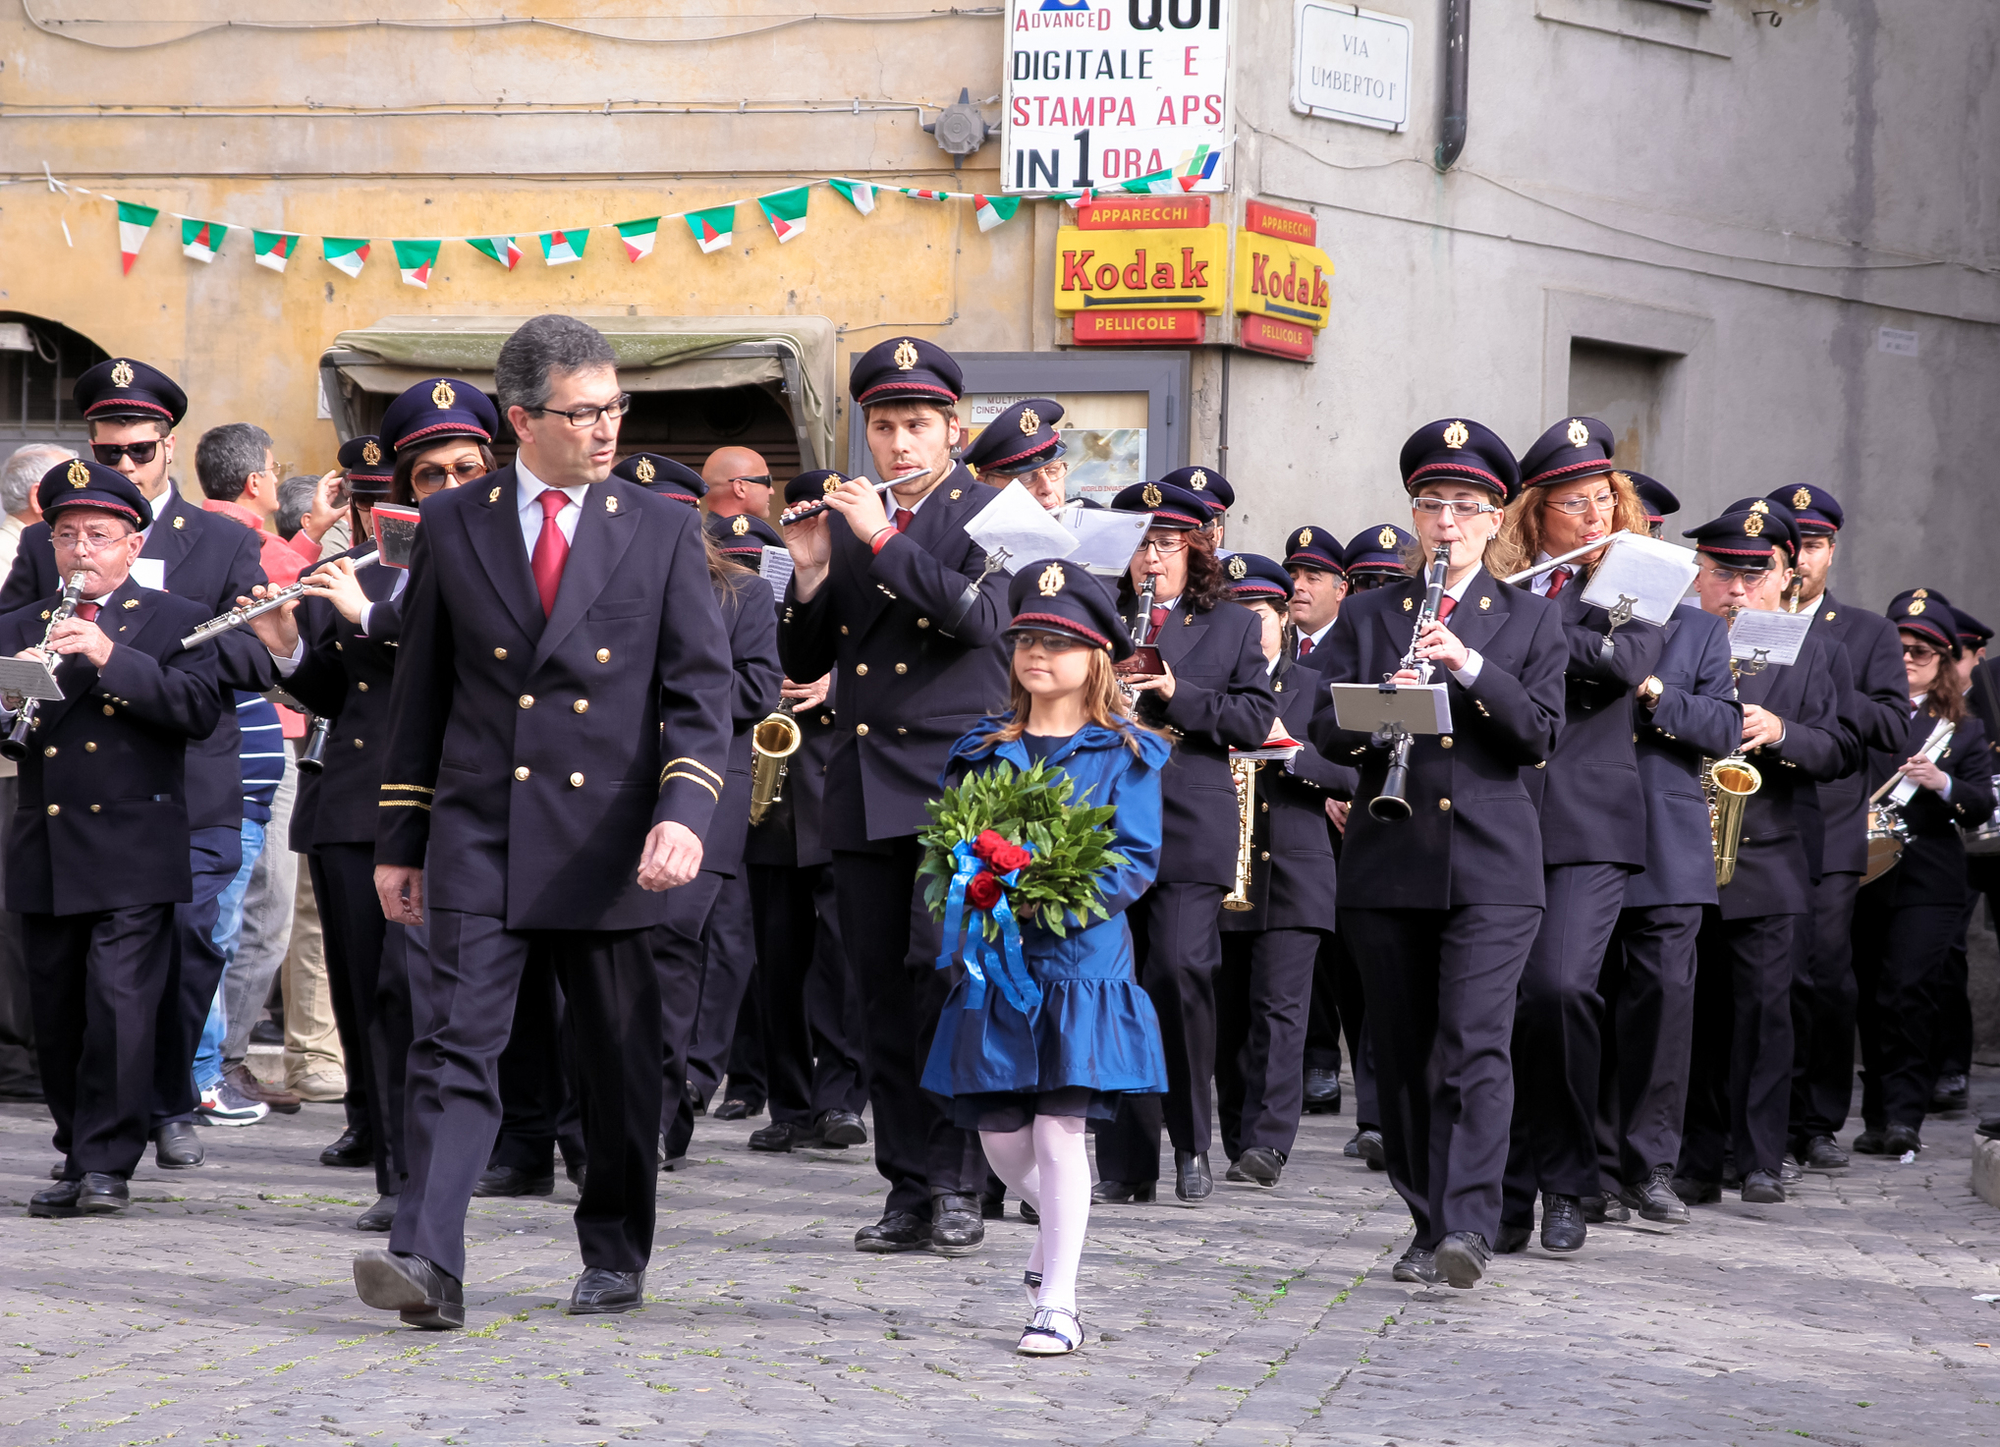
(1141, 618)
(312, 758)
(1392, 804)
(15, 745)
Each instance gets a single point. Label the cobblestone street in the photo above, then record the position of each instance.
(221, 1310)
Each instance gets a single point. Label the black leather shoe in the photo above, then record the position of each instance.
(1655, 1200)
(1418, 1266)
(783, 1135)
(1462, 1258)
(177, 1145)
(1563, 1228)
(1790, 1171)
(993, 1208)
(957, 1228)
(1030, 1214)
(1124, 1193)
(1192, 1182)
(697, 1102)
(574, 1170)
(1696, 1193)
(897, 1231)
(1950, 1093)
(1513, 1238)
(1989, 1128)
(600, 1291)
(1322, 1092)
(422, 1291)
(732, 1109)
(57, 1202)
(1599, 1209)
(841, 1128)
(353, 1149)
(1899, 1139)
(1762, 1188)
(1874, 1141)
(508, 1181)
(1260, 1164)
(1823, 1153)
(378, 1217)
(103, 1195)
(1368, 1145)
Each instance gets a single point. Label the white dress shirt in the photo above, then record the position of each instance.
(529, 488)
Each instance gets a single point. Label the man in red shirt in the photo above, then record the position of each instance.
(239, 478)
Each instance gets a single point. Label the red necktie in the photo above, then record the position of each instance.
(1445, 605)
(87, 612)
(903, 516)
(1158, 618)
(1305, 646)
(1559, 581)
(551, 550)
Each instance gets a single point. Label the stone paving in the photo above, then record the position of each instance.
(221, 1310)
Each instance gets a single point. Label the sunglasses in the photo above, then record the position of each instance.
(108, 453)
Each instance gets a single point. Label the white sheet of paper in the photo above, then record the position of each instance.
(1018, 530)
(1775, 635)
(1363, 707)
(775, 565)
(1106, 539)
(150, 573)
(1654, 574)
(29, 677)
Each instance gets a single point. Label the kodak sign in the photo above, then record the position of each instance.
(1281, 278)
(1141, 270)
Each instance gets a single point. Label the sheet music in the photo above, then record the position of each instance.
(1105, 539)
(1015, 530)
(1774, 637)
(30, 678)
(1655, 575)
(775, 565)
(1422, 708)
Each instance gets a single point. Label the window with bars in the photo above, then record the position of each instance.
(40, 361)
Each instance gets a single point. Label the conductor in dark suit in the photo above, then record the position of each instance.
(893, 591)
(97, 852)
(1441, 907)
(559, 726)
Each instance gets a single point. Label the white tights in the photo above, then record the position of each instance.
(1046, 1163)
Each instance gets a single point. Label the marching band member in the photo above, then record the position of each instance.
(1217, 497)
(1440, 909)
(1022, 445)
(1951, 1049)
(1374, 558)
(1212, 694)
(1318, 570)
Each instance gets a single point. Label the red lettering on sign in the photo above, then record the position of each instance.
(1136, 328)
(1135, 274)
(1075, 275)
(1268, 220)
(1279, 339)
(1143, 213)
(1194, 274)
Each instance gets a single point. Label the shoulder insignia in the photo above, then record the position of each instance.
(78, 475)
(1457, 435)
(371, 452)
(1237, 567)
(443, 395)
(1408, 604)
(957, 493)
(1802, 499)
(1052, 580)
(45, 614)
(1029, 422)
(121, 373)
(1578, 434)
(906, 355)
(1485, 604)
(493, 496)
(131, 603)
(1387, 537)
(1188, 622)
(1277, 688)
(645, 471)
(611, 504)
(1829, 616)
(740, 525)
(179, 523)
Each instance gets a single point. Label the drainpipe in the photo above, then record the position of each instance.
(1451, 109)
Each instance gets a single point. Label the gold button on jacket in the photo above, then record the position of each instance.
(522, 772)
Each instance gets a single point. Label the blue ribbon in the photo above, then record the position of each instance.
(1005, 965)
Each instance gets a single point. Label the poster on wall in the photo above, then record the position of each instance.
(1105, 451)
(1099, 92)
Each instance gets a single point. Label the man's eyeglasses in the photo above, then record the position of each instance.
(108, 453)
(1023, 639)
(1750, 578)
(432, 476)
(587, 416)
(1578, 506)
(1461, 508)
(1164, 547)
(81, 542)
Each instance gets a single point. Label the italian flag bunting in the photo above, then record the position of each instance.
(639, 237)
(994, 210)
(713, 229)
(786, 211)
(344, 253)
(415, 260)
(134, 224)
(200, 240)
(921, 194)
(501, 248)
(1160, 183)
(562, 246)
(274, 248)
(859, 192)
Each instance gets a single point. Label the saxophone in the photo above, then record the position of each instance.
(1726, 786)
(775, 739)
(1244, 773)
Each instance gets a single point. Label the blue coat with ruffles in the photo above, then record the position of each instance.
(1093, 1026)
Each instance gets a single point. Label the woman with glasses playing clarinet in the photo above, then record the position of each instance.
(1441, 893)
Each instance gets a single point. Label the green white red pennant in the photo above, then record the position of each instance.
(559, 247)
(786, 211)
(992, 211)
(344, 253)
(859, 192)
(713, 229)
(200, 240)
(639, 237)
(135, 223)
(415, 260)
(274, 248)
(500, 248)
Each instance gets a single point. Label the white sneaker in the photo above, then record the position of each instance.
(225, 1105)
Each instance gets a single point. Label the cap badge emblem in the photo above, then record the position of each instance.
(1237, 567)
(1386, 538)
(1305, 538)
(78, 474)
(1761, 508)
(1052, 580)
(1753, 525)
(1151, 496)
(371, 452)
(1457, 435)
(1030, 422)
(645, 471)
(906, 355)
(1802, 499)
(1916, 607)
(1198, 481)
(831, 485)
(740, 524)
(121, 373)
(1921, 593)
(443, 395)
(1578, 434)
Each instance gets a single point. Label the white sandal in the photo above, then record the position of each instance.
(1047, 1336)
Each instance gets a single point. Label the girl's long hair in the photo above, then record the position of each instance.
(1943, 700)
(1519, 541)
(1103, 704)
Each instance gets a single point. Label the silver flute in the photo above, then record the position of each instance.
(237, 617)
(813, 509)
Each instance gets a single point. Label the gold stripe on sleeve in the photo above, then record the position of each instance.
(697, 763)
(697, 778)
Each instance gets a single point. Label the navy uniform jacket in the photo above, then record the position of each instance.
(1696, 718)
(1875, 711)
(1292, 870)
(212, 561)
(752, 625)
(1983, 698)
(907, 692)
(793, 833)
(1773, 863)
(1474, 836)
(531, 755)
(102, 819)
(347, 677)
(1593, 804)
(1931, 868)
(1222, 698)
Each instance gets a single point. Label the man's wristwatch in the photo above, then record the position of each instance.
(1651, 690)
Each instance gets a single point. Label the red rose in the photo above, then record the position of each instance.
(983, 892)
(988, 841)
(1009, 857)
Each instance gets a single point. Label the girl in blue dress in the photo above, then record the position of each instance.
(1028, 1080)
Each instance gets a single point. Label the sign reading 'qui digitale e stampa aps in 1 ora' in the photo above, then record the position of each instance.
(1101, 92)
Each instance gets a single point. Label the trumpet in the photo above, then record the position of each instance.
(15, 745)
(775, 739)
(1244, 773)
(237, 617)
(1392, 804)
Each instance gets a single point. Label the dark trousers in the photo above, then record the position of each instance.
(680, 955)
(1823, 1000)
(195, 973)
(1897, 953)
(20, 1076)
(372, 997)
(1740, 1072)
(748, 1080)
(1441, 988)
(1262, 994)
(1553, 1138)
(1177, 943)
(1648, 990)
(463, 1000)
(1323, 1018)
(1339, 1006)
(729, 955)
(893, 944)
(96, 983)
(540, 1105)
(815, 1052)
